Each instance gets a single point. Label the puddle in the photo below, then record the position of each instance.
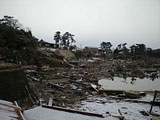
(138, 84)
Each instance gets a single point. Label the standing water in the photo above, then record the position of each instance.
(137, 84)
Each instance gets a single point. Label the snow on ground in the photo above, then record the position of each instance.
(40, 113)
(101, 105)
(131, 111)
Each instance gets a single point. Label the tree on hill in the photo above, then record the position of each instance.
(121, 48)
(141, 49)
(11, 21)
(57, 37)
(106, 46)
(13, 36)
(138, 49)
(65, 40)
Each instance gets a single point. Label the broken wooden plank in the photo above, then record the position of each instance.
(81, 83)
(137, 101)
(132, 94)
(29, 95)
(11, 106)
(7, 110)
(119, 117)
(145, 102)
(73, 111)
(120, 112)
(108, 91)
(19, 113)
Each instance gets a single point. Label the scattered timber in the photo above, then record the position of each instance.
(111, 91)
(11, 106)
(146, 102)
(19, 113)
(73, 111)
(137, 101)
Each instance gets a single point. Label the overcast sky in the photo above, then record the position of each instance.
(91, 21)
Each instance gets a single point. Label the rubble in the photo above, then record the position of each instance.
(68, 86)
(75, 81)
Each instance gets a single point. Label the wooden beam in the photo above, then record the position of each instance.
(29, 95)
(11, 106)
(8, 110)
(145, 102)
(137, 101)
(119, 117)
(19, 113)
(73, 111)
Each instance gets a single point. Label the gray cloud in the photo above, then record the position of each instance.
(92, 21)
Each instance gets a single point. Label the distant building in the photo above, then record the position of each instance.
(46, 44)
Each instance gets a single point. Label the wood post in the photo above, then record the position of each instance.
(19, 113)
(29, 95)
(155, 94)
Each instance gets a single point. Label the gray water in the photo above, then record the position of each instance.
(118, 83)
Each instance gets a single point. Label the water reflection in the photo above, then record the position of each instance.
(130, 83)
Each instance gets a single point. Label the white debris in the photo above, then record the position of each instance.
(50, 102)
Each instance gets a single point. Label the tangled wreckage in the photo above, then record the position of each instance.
(73, 93)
